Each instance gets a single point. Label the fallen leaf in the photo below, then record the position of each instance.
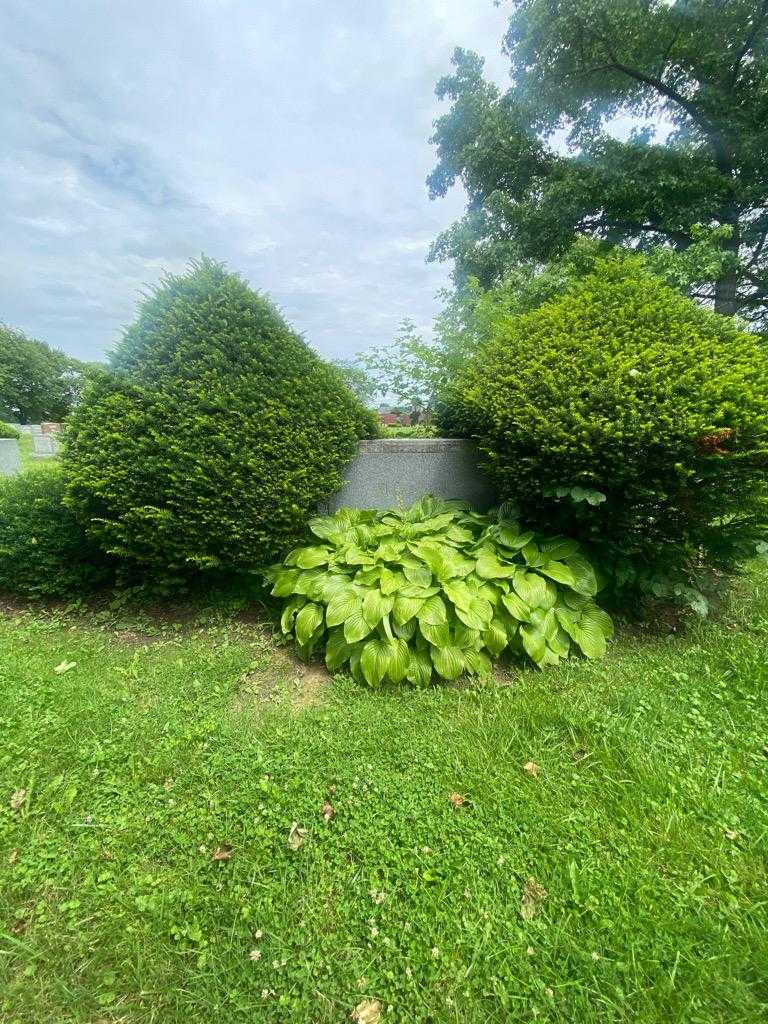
(13, 857)
(532, 898)
(579, 754)
(19, 926)
(65, 666)
(532, 769)
(367, 1012)
(296, 836)
(223, 852)
(18, 798)
(328, 811)
(731, 834)
(457, 800)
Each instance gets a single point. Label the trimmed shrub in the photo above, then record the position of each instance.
(214, 437)
(627, 416)
(7, 431)
(43, 550)
(436, 589)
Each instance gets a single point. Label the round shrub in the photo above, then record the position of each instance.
(43, 550)
(214, 436)
(7, 431)
(627, 416)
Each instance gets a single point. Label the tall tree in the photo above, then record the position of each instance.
(698, 66)
(37, 382)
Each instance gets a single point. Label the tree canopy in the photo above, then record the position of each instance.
(37, 382)
(699, 67)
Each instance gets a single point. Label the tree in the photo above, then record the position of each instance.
(37, 382)
(410, 368)
(700, 65)
(357, 379)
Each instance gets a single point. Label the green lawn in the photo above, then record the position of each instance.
(146, 874)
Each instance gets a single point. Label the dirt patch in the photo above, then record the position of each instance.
(283, 678)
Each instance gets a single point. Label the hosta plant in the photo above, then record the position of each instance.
(436, 589)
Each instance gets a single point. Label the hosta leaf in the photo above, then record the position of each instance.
(285, 581)
(459, 535)
(337, 650)
(389, 551)
(327, 528)
(289, 613)
(405, 608)
(342, 605)
(355, 555)
(390, 581)
(533, 641)
(310, 558)
(531, 554)
(374, 660)
(490, 567)
(560, 643)
(399, 660)
(477, 663)
(307, 621)
(376, 606)
(516, 607)
(477, 616)
(459, 593)
(331, 584)
(434, 525)
(419, 575)
(419, 669)
(569, 620)
(601, 619)
(415, 591)
(355, 627)
(584, 579)
(589, 638)
(531, 588)
(407, 631)
(448, 661)
(558, 571)
(308, 582)
(495, 638)
(466, 638)
(504, 534)
(438, 634)
(433, 611)
(558, 548)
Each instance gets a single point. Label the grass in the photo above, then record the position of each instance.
(146, 874)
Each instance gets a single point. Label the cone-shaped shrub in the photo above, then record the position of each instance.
(626, 416)
(216, 434)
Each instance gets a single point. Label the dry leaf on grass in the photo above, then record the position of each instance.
(532, 898)
(367, 1012)
(223, 852)
(296, 836)
(457, 800)
(328, 811)
(18, 798)
(65, 666)
(13, 856)
(532, 769)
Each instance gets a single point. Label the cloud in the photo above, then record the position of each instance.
(289, 139)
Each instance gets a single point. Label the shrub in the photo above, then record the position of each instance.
(629, 417)
(216, 434)
(436, 588)
(7, 431)
(43, 550)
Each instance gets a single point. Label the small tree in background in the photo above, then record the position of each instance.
(37, 382)
(216, 435)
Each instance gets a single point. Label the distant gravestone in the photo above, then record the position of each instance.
(10, 456)
(45, 445)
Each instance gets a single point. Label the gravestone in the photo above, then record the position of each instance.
(45, 445)
(393, 471)
(10, 456)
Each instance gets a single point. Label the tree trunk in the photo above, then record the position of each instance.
(726, 298)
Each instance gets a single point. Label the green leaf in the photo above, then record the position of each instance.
(310, 558)
(432, 612)
(558, 548)
(355, 627)
(375, 607)
(356, 556)
(285, 581)
(477, 663)
(448, 661)
(419, 668)
(419, 575)
(399, 660)
(289, 612)
(390, 582)
(308, 582)
(438, 634)
(405, 608)
(374, 660)
(459, 593)
(516, 607)
(584, 579)
(342, 605)
(531, 588)
(327, 528)
(495, 638)
(490, 567)
(534, 643)
(558, 571)
(307, 621)
(601, 619)
(407, 631)
(337, 650)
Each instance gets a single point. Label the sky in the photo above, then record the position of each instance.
(289, 139)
